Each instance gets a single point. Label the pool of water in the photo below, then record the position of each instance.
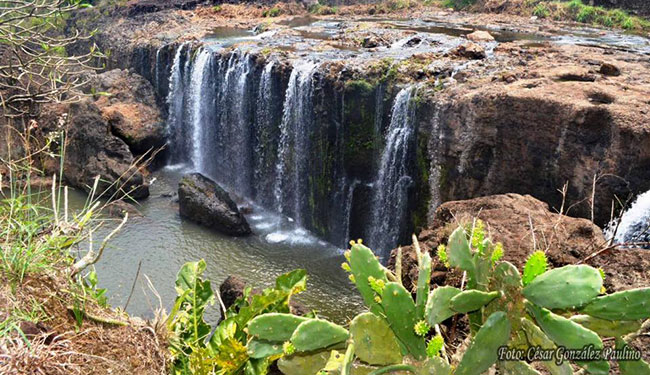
(162, 242)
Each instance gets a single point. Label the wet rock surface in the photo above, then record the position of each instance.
(203, 201)
(92, 150)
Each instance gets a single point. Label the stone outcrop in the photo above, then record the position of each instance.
(508, 220)
(204, 202)
(566, 125)
(92, 150)
(128, 103)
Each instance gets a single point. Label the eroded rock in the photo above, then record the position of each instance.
(480, 36)
(92, 150)
(129, 106)
(203, 201)
(470, 50)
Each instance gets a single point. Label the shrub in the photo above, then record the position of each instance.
(541, 11)
(458, 4)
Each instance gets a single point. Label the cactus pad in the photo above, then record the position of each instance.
(482, 352)
(274, 326)
(565, 287)
(459, 252)
(607, 328)
(400, 314)
(438, 306)
(628, 305)
(472, 300)
(364, 264)
(315, 334)
(374, 341)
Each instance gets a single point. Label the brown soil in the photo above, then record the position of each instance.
(57, 346)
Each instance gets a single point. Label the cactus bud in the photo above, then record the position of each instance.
(421, 328)
(346, 267)
(497, 254)
(351, 277)
(442, 255)
(376, 284)
(288, 348)
(435, 346)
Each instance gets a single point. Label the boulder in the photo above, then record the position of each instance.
(470, 51)
(508, 219)
(128, 104)
(204, 202)
(92, 150)
(480, 36)
(611, 70)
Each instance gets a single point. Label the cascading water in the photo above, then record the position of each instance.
(634, 226)
(293, 144)
(390, 201)
(290, 186)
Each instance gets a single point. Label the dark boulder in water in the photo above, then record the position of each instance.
(203, 201)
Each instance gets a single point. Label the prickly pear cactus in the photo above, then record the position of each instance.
(263, 349)
(424, 278)
(401, 315)
(628, 305)
(631, 367)
(374, 341)
(517, 368)
(364, 265)
(303, 364)
(565, 287)
(274, 326)
(482, 352)
(438, 308)
(569, 334)
(536, 337)
(315, 334)
(459, 252)
(472, 300)
(607, 328)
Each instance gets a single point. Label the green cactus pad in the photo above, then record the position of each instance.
(607, 328)
(303, 364)
(424, 278)
(459, 252)
(315, 334)
(374, 341)
(438, 308)
(436, 366)
(364, 264)
(536, 337)
(482, 352)
(628, 305)
(274, 326)
(517, 368)
(400, 314)
(263, 349)
(565, 287)
(570, 335)
(631, 367)
(472, 300)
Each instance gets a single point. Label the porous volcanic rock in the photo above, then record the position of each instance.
(203, 201)
(92, 150)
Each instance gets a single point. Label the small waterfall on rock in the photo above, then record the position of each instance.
(202, 104)
(634, 226)
(390, 201)
(176, 101)
(290, 187)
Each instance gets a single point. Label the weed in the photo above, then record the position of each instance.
(541, 11)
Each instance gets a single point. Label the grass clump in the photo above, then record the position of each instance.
(541, 11)
(577, 11)
(272, 12)
(458, 4)
(322, 10)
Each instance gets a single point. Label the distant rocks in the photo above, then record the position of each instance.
(204, 202)
(470, 51)
(480, 36)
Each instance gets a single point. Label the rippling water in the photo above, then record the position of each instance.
(162, 241)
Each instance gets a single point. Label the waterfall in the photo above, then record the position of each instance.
(293, 151)
(390, 201)
(176, 131)
(634, 225)
(291, 142)
(201, 104)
